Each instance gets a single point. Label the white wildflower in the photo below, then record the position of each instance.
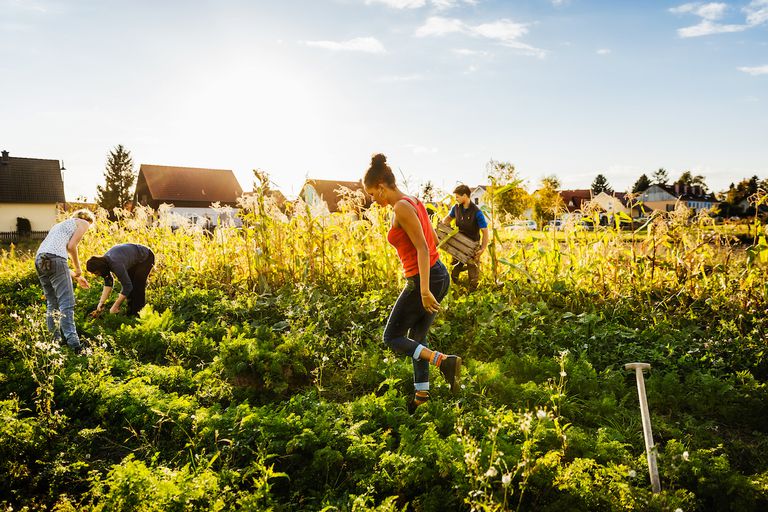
(685, 455)
(506, 479)
(541, 414)
(631, 473)
(492, 472)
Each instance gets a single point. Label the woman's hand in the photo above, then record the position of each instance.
(82, 282)
(114, 309)
(429, 302)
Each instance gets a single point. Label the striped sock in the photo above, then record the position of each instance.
(437, 358)
(421, 397)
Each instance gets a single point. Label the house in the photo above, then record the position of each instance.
(326, 194)
(666, 197)
(617, 202)
(30, 189)
(575, 200)
(478, 195)
(190, 190)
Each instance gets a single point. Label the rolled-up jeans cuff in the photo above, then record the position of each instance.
(417, 352)
(421, 386)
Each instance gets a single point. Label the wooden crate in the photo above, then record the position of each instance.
(456, 244)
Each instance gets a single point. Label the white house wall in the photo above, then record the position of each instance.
(41, 216)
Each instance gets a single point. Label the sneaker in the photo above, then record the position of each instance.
(451, 370)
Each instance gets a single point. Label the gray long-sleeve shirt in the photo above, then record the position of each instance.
(121, 258)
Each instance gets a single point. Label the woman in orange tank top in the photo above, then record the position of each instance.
(427, 281)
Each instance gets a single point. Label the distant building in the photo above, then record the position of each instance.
(478, 195)
(30, 189)
(324, 193)
(190, 190)
(666, 197)
(574, 200)
(617, 202)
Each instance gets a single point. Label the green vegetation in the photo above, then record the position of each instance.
(257, 380)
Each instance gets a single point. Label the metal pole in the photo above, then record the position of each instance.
(646, 417)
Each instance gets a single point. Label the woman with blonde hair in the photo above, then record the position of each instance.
(56, 277)
(427, 281)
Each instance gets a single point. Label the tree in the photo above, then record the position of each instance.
(547, 201)
(601, 185)
(642, 184)
(119, 178)
(428, 192)
(660, 177)
(505, 193)
(687, 178)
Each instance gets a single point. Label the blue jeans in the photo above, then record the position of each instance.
(56, 281)
(409, 322)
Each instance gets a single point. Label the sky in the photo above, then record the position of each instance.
(312, 88)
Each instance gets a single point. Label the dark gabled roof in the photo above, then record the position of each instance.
(30, 180)
(167, 183)
(326, 189)
(575, 199)
(689, 193)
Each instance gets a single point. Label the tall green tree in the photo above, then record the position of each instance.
(506, 193)
(642, 184)
(601, 185)
(687, 178)
(547, 201)
(660, 177)
(119, 179)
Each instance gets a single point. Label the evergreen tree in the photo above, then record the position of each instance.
(641, 185)
(661, 177)
(601, 185)
(119, 180)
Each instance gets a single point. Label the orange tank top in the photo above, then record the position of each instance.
(405, 248)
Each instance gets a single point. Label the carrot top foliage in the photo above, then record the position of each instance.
(257, 380)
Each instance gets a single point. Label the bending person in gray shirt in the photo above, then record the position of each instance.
(131, 264)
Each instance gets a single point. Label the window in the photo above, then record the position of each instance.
(477, 200)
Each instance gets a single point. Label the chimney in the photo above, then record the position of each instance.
(677, 189)
(4, 160)
(686, 189)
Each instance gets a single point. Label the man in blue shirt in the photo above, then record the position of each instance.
(471, 222)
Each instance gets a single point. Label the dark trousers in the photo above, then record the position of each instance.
(473, 271)
(138, 275)
(409, 322)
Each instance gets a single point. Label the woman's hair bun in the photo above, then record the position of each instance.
(378, 160)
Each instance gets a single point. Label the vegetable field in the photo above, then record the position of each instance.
(257, 379)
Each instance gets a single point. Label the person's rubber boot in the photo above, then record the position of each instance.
(451, 370)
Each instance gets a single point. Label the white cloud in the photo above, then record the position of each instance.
(756, 70)
(706, 28)
(358, 44)
(603, 51)
(465, 52)
(711, 11)
(437, 26)
(503, 31)
(399, 4)
(558, 3)
(417, 4)
(756, 14)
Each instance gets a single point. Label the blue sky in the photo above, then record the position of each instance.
(314, 87)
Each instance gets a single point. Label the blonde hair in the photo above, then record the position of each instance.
(85, 215)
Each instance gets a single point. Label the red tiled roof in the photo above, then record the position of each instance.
(167, 183)
(575, 199)
(326, 189)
